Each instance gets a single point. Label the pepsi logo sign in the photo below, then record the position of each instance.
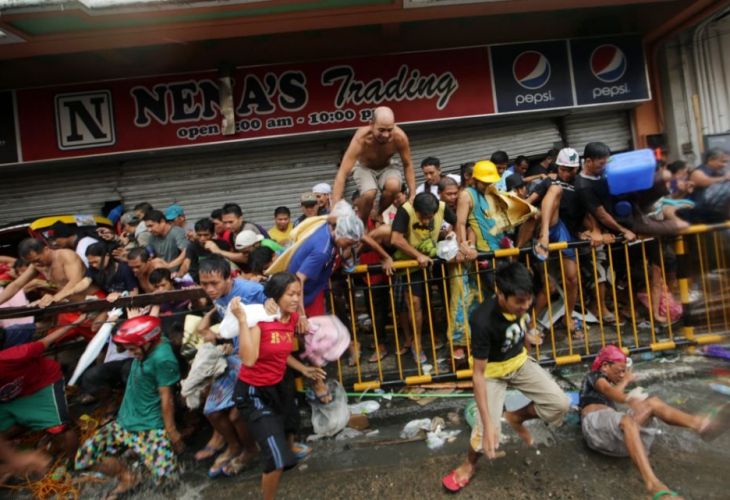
(531, 70)
(608, 63)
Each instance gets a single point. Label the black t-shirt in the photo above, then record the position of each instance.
(197, 253)
(593, 193)
(536, 169)
(588, 393)
(571, 210)
(402, 219)
(122, 281)
(494, 337)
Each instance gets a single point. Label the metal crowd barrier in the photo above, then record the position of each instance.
(700, 263)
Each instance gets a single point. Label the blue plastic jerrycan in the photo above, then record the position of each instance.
(632, 171)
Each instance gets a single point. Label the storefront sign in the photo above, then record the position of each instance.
(174, 111)
(608, 70)
(531, 76)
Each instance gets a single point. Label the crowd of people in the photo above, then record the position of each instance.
(249, 402)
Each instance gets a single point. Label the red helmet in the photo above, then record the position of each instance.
(138, 331)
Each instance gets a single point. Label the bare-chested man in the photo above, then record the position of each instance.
(370, 159)
(142, 266)
(64, 269)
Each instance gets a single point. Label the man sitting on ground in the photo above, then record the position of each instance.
(619, 434)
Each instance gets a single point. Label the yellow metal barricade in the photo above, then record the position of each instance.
(636, 300)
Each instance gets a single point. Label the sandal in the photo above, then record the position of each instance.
(662, 493)
(216, 469)
(419, 358)
(536, 245)
(374, 356)
(236, 465)
(577, 329)
(352, 361)
(304, 450)
(404, 350)
(453, 483)
(610, 318)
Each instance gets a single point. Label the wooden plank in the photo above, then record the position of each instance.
(141, 300)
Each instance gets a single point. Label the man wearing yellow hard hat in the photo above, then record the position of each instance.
(473, 210)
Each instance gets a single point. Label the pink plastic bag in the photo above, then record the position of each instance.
(328, 339)
(675, 308)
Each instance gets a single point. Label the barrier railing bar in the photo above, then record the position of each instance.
(415, 332)
(430, 320)
(615, 297)
(631, 295)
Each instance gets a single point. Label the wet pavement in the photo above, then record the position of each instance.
(564, 468)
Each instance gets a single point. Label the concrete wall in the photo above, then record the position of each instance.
(697, 63)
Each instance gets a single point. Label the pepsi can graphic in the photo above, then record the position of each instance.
(609, 69)
(531, 76)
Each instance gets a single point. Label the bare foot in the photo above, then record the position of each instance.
(465, 471)
(519, 428)
(321, 391)
(127, 482)
(656, 488)
(715, 423)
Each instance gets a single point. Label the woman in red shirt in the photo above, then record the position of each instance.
(263, 400)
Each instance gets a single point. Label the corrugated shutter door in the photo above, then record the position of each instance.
(611, 128)
(56, 191)
(456, 145)
(259, 180)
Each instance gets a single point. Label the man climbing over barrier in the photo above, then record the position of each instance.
(370, 160)
(498, 329)
(63, 268)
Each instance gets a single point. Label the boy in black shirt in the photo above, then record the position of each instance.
(498, 328)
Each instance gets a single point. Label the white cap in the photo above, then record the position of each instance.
(247, 238)
(322, 188)
(568, 157)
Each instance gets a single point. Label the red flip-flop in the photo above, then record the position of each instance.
(453, 483)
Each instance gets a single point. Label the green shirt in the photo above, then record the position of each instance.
(142, 408)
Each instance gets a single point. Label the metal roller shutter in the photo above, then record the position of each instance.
(454, 146)
(67, 190)
(257, 178)
(612, 128)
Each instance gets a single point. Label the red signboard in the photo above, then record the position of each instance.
(183, 110)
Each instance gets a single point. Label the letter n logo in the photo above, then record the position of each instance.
(84, 120)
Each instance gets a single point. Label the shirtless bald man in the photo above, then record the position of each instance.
(370, 159)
